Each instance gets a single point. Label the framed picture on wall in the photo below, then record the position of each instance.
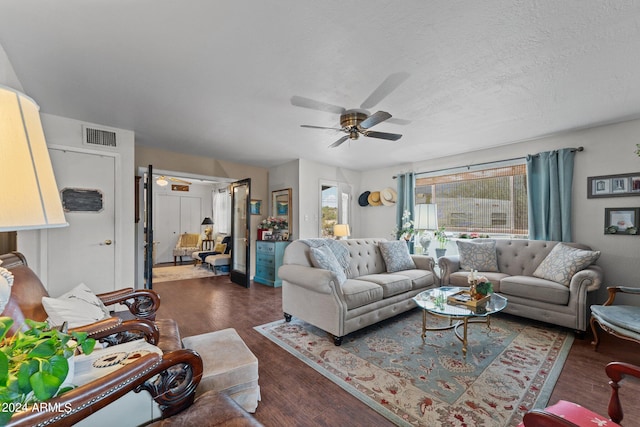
(627, 184)
(621, 221)
(256, 207)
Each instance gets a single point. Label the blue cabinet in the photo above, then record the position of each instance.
(268, 260)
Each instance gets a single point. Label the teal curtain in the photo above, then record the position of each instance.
(406, 200)
(549, 183)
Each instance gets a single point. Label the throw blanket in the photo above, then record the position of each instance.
(338, 249)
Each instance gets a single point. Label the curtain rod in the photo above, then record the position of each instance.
(575, 150)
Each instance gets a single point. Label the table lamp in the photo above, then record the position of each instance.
(208, 229)
(341, 231)
(29, 198)
(426, 219)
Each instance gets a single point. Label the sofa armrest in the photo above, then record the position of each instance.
(114, 330)
(424, 262)
(448, 265)
(142, 303)
(590, 278)
(314, 279)
(171, 379)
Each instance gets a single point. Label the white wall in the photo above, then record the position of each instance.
(608, 150)
(61, 131)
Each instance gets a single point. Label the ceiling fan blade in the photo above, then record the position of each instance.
(386, 87)
(374, 119)
(300, 101)
(340, 141)
(179, 180)
(382, 135)
(318, 127)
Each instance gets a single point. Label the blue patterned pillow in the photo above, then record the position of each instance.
(396, 256)
(480, 256)
(563, 262)
(323, 257)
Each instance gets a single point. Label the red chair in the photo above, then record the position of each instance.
(568, 414)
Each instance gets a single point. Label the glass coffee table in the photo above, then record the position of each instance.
(434, 301)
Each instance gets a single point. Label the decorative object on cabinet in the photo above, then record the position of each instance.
(621, 221)
(268, 259)
(622, 185)
(256, 207)
(281, 206)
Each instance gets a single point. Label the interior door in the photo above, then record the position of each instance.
(84, 252)
(241, 249)
(148, 228)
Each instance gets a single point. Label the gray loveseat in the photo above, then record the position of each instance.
(368, 295)
(529, 296)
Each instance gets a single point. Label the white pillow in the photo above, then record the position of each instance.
(78, 307)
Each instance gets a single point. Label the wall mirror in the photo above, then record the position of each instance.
(281, 207)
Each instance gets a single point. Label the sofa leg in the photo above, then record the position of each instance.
(287, 317)
(337, 340)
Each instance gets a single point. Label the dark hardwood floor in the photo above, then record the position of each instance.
(293, 394)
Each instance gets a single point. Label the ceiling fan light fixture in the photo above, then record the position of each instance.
(353, 134)
(162, 181)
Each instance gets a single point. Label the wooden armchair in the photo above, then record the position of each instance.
(623, 321)
(171, 378)
(567, 414)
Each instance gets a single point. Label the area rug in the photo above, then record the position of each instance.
(180, 272)
(510, 367)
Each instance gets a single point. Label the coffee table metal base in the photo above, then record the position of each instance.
(459, 321)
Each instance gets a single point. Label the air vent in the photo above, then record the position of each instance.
(100, 137)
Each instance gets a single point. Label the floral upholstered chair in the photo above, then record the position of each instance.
(188, 243)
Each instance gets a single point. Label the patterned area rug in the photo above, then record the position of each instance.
(180, 272)
(510, 367)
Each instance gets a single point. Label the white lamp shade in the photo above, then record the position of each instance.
(29, 197)
(341, 230)
(426, 217)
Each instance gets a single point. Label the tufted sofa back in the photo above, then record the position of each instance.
(364, 253)
(366, 257)
(519, 257)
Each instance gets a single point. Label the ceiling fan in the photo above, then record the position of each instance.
(163, 181)
(356, 122)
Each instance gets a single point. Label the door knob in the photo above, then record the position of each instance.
(107, 242)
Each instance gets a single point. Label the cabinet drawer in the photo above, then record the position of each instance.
(267, 248)
(265, 272)
(266, 260)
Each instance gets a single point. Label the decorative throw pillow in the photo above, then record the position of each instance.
(396, 256)
(78, 307)
(480, 256)
(563, 262)
(323, 257)
(220, 247)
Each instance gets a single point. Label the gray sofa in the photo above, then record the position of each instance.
(369, 294)
(530, 296)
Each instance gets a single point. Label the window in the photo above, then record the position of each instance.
(491, 200)
(334, 206)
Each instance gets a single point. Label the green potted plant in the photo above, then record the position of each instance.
(35, 363)
(442, 239)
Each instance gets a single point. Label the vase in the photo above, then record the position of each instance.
(440, 252)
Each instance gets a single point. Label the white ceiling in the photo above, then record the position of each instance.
(215, 78)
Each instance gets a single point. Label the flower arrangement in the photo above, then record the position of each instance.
(473, 236)
(407, 230)
(479, 286)
(274, 223)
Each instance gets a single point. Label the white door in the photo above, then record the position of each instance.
(84, 252)
(166, 226)
(174, 215)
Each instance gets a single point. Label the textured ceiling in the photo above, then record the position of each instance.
(216, 78)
